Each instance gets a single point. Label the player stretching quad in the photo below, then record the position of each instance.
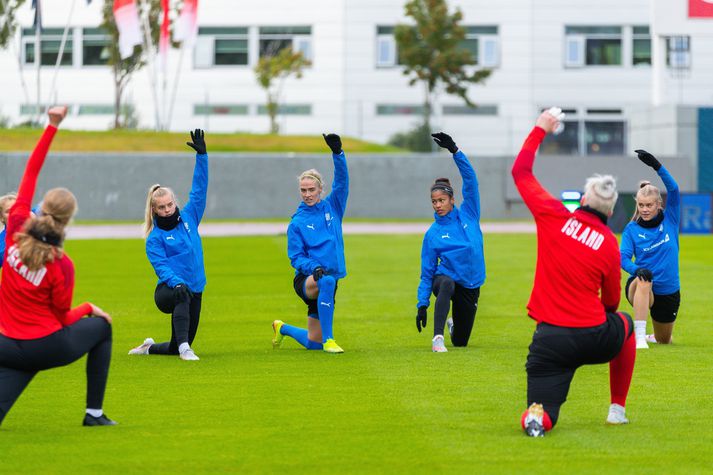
(577, 257)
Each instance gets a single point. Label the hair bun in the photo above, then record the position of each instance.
(644, 183)
(444, 181)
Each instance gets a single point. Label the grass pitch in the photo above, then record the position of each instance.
(387, 405)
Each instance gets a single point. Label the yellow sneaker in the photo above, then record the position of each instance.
(330, 346)
(277, 337)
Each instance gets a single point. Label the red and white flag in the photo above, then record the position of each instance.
(186, 27)
(126, 16)
(164, 38)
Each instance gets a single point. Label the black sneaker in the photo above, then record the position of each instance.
(97, 421)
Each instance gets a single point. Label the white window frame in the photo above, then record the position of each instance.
(577, 43)
(488, 44)
(388, 42)
(204, 49)
(678, 57)
(301, 42)
(27, 39)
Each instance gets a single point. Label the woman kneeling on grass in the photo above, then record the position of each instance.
(452, 263)
(316, 250)
(38, 330)
(175, 251)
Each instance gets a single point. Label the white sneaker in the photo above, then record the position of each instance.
(617, 415)
(189, 355)
(641, 344)
(534, 421)
(449, 324)
(438, 346)
(651, 339)
(143, 348)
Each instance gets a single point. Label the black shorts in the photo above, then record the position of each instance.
(665, 307)
(299, 284)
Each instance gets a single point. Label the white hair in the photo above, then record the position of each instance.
(600, 193)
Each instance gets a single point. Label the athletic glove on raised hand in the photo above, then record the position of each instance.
(648, 159)
(197, 142)
(445, 141)
(182, 293)
(334, 142)
(318, 273)
(644, 274)
(421, 318)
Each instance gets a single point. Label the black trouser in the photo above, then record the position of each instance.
(465, 304)
(557, 352)
(20, 360)
(185, 315)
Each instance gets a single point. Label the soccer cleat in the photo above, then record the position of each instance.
(641, 344)
(189, 355)
(449, 324)
(617, 415)
(277, 336)
(97, 421)
(330, 346)
(438, 346)
(534, 426)
(143, 348)
(651, 339)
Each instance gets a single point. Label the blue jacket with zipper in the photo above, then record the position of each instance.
(177, 255)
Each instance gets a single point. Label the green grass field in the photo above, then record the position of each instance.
(151, 141)
(387, 405)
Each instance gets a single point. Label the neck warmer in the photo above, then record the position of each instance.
(168, 222)
(652, 223)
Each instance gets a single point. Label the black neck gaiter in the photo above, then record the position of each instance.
(652, 223)
(168, 222)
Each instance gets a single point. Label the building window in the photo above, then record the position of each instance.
(220, 109)
(484, 110)
(593, 46)
(95, 47)
(678, 52)
(50, 41)
(287, 109)
(593, 132)
(221, 46)
(483, 44)
(386, 55)
(273, 39)
(641, 46)
(399, 109)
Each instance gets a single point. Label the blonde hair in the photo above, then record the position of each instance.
(311, 174)
(600, 193)
(646, 189)
(6, 202)
(58, 208)
(155, 191)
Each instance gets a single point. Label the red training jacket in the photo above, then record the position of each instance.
(577, 254)
(34, 304)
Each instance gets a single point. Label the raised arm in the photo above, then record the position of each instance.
(20, 210)
(471, 194)
(158, 259)
(673, 201)
(537, 199)
(340, 184)
(199, 188)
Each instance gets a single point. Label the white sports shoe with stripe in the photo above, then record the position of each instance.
(438, 346)
(143, 348)
(617, 415)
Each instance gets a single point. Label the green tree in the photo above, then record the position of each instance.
(271, 72)
(7, 20)
(432, 52)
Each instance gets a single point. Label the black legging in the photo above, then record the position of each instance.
(465, 304)
(185, 315)
(20, 360)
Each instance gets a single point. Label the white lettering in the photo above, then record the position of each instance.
(583, 236)
(589, 237)
(34, 277)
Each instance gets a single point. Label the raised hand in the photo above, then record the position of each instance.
(56, 115)
(334, 142)
(197, 142)
(550, 120)
(445, 141)
(648, 159)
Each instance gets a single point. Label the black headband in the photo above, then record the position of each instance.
(50, 238)
(442, 187)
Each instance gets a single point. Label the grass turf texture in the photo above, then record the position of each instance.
(387, 405)
(150, 141)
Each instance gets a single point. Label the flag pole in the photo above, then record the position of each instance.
(61, 49)
(175, 86)
(150, 58)
(38, 56)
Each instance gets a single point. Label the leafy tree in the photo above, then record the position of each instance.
(432, 52)
(7, 20)
(271, 72)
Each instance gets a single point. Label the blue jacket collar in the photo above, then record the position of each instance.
(447, 219)
(304, 208)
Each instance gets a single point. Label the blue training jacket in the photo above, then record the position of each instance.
(314, 236)
(177, 255)
(453, 245)
(656, 249)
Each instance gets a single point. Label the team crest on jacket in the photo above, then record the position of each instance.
(328, 218)
(185, 225)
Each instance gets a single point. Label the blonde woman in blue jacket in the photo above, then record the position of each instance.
(452, 263)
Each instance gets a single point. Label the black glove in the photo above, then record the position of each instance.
(198, 144)
(648, 159)
(318, 273)
(334, 142)
(182, 293)
(445, 141)
(644, 274)
(421, 318)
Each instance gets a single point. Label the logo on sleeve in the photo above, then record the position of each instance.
(642, 236)
(170, 238)
(310, 226)
(445, 236)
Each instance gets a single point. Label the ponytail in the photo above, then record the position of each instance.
(40, 241)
